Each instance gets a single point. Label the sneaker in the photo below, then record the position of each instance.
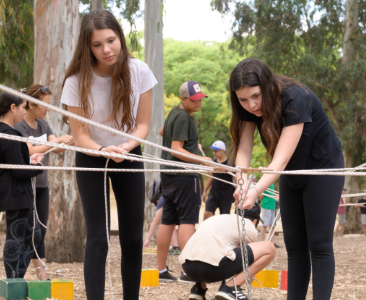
(230, 293)
(277, 246)
(174, 251)
(184, 279)
(197, 293)
(166, 276)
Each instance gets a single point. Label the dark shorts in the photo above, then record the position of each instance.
(199, 271)
(212, 203)
(182, 199)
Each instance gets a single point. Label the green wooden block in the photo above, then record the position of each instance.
(13, 289)
(39, 290)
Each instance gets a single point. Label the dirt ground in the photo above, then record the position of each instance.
(350, 280)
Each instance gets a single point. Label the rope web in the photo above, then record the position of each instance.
(208, 167)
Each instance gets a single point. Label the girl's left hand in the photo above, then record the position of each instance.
(36, 158)
(249, 199)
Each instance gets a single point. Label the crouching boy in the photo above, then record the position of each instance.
(213, 254)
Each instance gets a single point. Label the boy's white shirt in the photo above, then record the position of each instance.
(216, 238)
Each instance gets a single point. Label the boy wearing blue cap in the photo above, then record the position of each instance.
(181, 192)
(221, 193)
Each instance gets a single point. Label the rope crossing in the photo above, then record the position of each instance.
(207, 167)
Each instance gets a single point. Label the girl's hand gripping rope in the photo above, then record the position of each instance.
(36, 158)
(113, 149)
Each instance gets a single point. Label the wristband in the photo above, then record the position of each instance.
(100, 149)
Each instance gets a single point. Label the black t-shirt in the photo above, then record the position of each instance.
(363, 209)
(318, 146)
(222, 190)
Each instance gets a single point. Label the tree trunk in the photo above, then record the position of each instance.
(350, 29)
(154, 57)
(56, 30)
(96, 4)
(352, 184)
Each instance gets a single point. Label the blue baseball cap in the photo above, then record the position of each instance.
(218, 145)
(192, 90)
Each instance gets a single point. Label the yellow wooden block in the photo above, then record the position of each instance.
(62, 289)
(268, 279)
(149, 277)
(260, 277)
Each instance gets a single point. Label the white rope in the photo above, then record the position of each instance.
(107, 227)
(29, 167)
(110, 129)
(353, 195)
(98, 153)
(311, 172)
(275, 228)
(270, 231)
(353, 204)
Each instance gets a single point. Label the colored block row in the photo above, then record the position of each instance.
(269, 279)
(20, 289)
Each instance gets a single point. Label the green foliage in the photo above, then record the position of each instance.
(16, 42)
(304, 39)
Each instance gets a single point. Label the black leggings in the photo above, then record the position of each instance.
(18, 248)
(129, 191)
(42, 203)
(308, 218)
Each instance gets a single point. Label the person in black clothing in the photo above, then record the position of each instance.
(362, 207)
(16, 197)
(298, 135)
(221, 193)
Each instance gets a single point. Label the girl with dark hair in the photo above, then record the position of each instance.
(16, 197)
(33, 125)
(298, 136)
(107, 85)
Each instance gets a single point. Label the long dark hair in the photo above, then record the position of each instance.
(252, 72)
(84, 60)
(6, 100)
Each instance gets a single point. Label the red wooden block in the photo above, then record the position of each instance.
(283, 280)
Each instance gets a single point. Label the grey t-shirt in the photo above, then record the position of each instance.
(42, 133)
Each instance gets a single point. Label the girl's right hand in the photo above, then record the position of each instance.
(66, 139)
(237, 192)
(113, 149)
(36, 158)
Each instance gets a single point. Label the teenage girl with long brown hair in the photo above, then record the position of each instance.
(106, 84)
(33, 125)
(298, 136)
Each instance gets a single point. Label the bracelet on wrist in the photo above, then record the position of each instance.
(253, 187)
(100, 149)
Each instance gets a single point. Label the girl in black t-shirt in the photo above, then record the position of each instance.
(298, 135)
(16, 197)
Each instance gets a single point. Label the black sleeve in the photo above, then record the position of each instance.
(13, 156)
(296, 106)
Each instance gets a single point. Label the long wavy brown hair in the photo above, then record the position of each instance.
(84, 61)
(252, 72)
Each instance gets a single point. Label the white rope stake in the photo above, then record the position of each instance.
(275, 228)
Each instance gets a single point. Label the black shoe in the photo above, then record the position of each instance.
(197, 293)
(166, 276)
(174, 251)
(230, 293)
(184, 279)
(276, 246)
